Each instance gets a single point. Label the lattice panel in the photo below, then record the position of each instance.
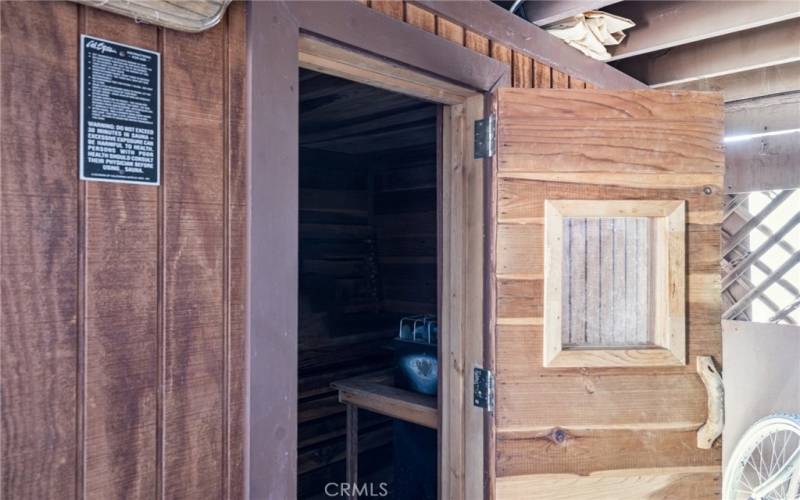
(760, 265)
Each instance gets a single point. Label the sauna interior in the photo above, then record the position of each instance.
(367, 263)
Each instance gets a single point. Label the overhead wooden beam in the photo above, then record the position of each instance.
(661, 25)
(748, 84)
(764, 114)
(770, 45)
(542, 13)
(518, 34)
(765, 163)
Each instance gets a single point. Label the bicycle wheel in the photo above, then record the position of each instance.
(765, 465)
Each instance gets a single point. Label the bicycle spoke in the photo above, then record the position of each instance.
(760, 468)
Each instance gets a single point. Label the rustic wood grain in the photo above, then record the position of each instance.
(387, 400)
(501, 52)
(476, 42)
(543, 156)
(521, 71)
(88, 291)
(575, 83)
(637, 136)
(698, 483)
(121, 337)
(586, 450)
(560, 80)
(420, 18)
(449, 31)
(194, 219)
(529, 396)
(236, 241)
(39, 292)
(392, 8)
(542, 75)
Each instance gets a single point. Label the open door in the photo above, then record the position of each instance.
(604, 290)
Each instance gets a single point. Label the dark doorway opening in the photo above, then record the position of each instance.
(368, 257)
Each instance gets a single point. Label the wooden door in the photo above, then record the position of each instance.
(602, 430)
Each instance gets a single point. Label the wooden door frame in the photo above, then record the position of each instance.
(348, 40)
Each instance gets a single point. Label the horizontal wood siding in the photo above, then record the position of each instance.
(123, 325)
(563, 431)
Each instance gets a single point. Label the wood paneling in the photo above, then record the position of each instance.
(449, 31)
(122, 306)
(526, 72)
(605, 422)
(542, 75)
(476, 42)
(39, 263)
(420, 18)
(193, 264)
(697, 483)
(121, 330)
(530, 142)
(606, 294)
(560, 80)
(392, 8)
(522, 71)
(585, 450)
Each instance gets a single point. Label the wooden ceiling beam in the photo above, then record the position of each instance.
(541, 12)
(661, 25)
(770, 45)
(749, 84)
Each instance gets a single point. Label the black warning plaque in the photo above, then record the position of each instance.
(120, 112)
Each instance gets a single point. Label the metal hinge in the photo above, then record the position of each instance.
(485, 137)
(483, 389)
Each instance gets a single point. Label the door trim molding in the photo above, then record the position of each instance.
(276, 32)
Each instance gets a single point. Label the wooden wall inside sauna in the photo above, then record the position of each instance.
(342, 329)
(123, 328)
(367, 257)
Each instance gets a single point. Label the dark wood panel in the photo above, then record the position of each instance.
(121, 334)
(39, 292)
(347, 117)
(82, 314)
(236, 241)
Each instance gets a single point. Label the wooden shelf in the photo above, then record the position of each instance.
(376, 393)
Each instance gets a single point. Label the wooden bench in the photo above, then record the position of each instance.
(377, 394)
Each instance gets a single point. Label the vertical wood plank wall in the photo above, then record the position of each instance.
(123, 346)
(123, 315)
(526, 72)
